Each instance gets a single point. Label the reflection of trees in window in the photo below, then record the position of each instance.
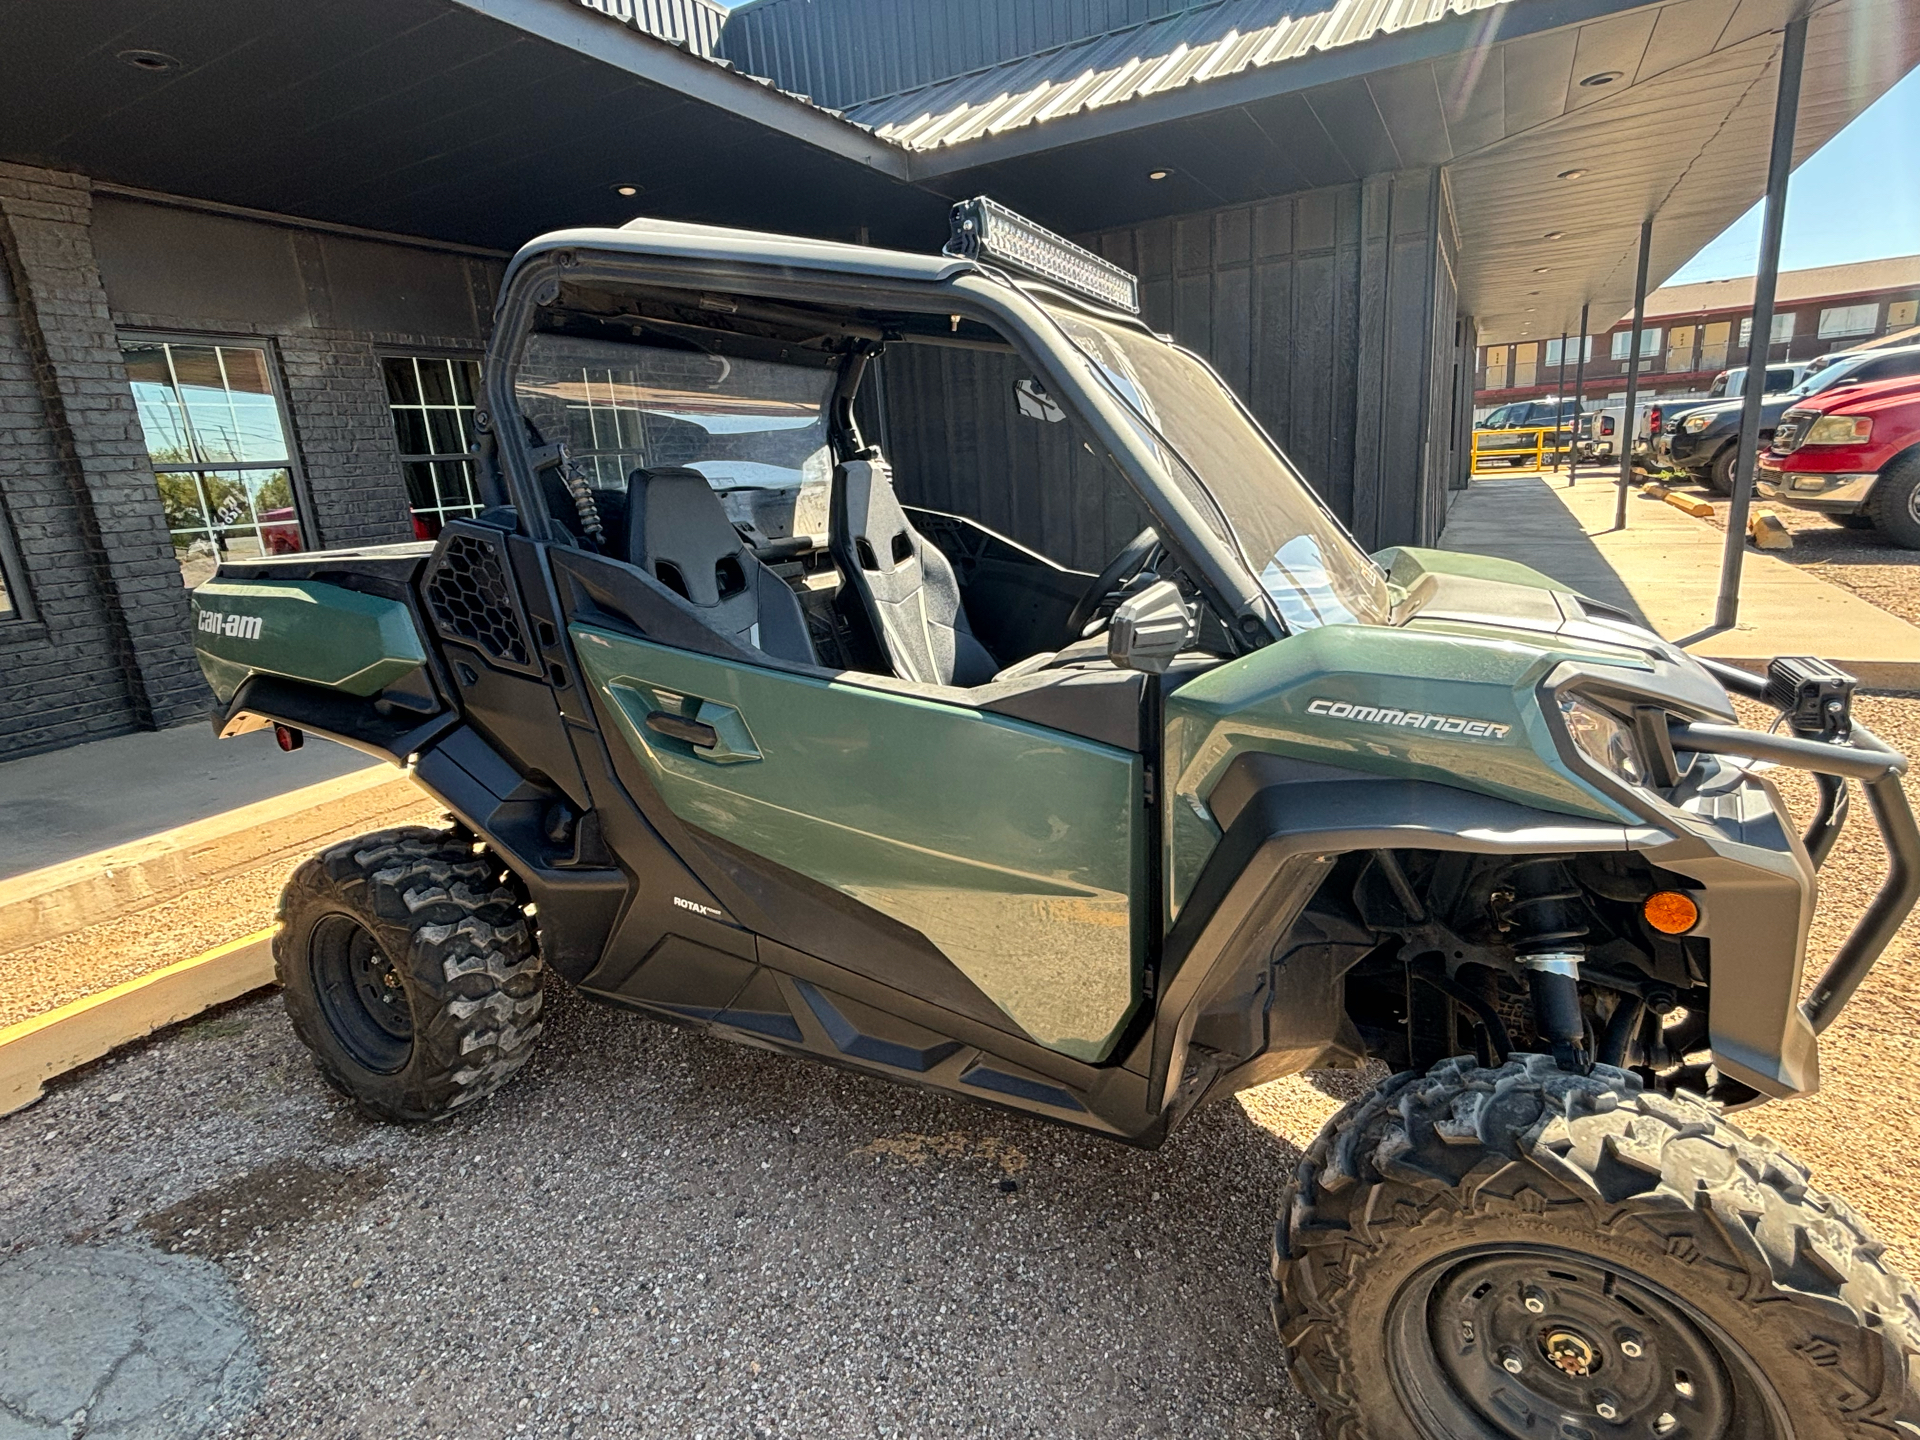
(431, 399)
(218, 445)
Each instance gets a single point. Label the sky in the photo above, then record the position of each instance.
(1855, 198)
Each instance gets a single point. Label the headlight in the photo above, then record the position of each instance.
(1603, 739)
(1694, 424)
(1840, 430)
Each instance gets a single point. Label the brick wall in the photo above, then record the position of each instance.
(105, 646)
(111, 650)
(58, 682)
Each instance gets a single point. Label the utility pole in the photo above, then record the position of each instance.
(1627, 421)
(1786, 111)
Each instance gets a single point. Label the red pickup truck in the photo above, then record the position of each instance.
(1852, 454)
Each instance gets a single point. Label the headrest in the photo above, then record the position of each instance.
(882, 537)
(678, 532)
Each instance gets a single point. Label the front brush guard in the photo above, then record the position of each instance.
(1878, 767)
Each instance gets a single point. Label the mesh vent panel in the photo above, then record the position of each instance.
(471, 600)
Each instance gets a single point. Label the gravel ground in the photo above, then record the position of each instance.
(39, 977)
(653, 1232)
(1863, 561)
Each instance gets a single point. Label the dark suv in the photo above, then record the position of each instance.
(1518, 443)
(1705, 439)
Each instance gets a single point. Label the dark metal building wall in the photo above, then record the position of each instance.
(1270, 294)
(1331, 313)
(948, 422)
(840, 52)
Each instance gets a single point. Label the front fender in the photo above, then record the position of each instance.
(1285, 823)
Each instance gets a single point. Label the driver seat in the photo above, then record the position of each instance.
(905, 584)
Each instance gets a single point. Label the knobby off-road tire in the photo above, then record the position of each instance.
(1458, 1247)
(409, 971)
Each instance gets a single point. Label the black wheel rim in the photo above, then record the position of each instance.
(361, 995)
(1502, 1343)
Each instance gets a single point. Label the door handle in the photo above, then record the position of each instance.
(679, 727)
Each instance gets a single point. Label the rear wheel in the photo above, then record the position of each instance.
(1477, 1254)
(1894, 502)
(409, 971)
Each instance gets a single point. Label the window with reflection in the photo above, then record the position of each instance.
(431, 398)
(217, 438)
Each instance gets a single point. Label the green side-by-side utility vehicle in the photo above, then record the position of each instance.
(732, 736)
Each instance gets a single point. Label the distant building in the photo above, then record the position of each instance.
(1693, 332)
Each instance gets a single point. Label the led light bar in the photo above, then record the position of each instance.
(983, 229)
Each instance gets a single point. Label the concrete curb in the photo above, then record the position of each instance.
(34, 1051)
(44, 904)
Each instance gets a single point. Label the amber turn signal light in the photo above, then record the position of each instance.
(1670, 912)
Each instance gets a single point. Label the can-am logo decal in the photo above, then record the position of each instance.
(1410, 719)
(237, 627)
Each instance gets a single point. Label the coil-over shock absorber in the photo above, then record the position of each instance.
(583, 501)
(1544, 914)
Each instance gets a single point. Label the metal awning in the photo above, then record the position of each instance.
(483, 122)
(489, 121)
(1658, 109)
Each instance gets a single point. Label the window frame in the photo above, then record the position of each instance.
(1785, 324)
(384, 353)
(1620, 347)
(1870, 307)
(13, 579)
(1549, 358)
(303, 510)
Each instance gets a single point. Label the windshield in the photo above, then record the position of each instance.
(1248, 493)
(1821, 379)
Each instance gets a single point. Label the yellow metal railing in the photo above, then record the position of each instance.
(1541, 452)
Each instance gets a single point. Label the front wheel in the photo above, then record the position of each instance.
(1718, 476)
(1894, 503)
(407, 968)
(1489, 1254)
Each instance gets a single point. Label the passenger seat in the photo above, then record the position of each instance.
(905, 584)
(678, 532)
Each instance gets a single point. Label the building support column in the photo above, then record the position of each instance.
(1559, 401)
(1579, 390)
(46, 235)
(1627, 421)
(1786, 112)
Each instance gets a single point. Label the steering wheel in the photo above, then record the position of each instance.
(1131, 560)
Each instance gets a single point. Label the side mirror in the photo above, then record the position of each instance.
(1150, 628)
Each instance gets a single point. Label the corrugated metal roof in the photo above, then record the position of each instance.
(843, 52)
(691, 24)
(1164, 54)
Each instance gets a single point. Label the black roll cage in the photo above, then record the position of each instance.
(534, 281)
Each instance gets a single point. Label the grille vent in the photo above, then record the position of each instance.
(472, 599)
